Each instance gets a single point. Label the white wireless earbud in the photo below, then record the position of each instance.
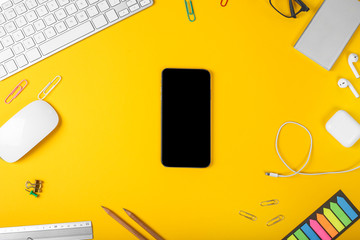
(343, 83)
(352, 59)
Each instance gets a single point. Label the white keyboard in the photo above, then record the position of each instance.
(32, 30)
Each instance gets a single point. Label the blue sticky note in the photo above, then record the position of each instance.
(309, 232)
(346, 208)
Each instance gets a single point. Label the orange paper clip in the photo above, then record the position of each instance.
(223, 3)
(17, 90)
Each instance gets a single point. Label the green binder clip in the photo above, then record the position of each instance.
(32, 193)
(191, 13)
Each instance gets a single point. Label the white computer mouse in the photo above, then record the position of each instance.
(26, 129)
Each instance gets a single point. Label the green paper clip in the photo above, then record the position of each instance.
(32, 193)
(189, 5)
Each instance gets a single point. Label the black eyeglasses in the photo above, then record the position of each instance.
(290, 10)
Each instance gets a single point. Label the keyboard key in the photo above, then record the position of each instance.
(131, 2)
(60, 14)
(92, 11)
(42, 11)
(145, 2)
(20, 8)
(11, 66)
(30, 4)
(63, 2)
(18, 48)
(5, 55)
(33, 54)
(134, 7)
(39, 37)
(50, 19)
(29, 43)
(31, 16)
(71, 21)
(114, 2)
(99, 21)
(124, 12)
(2, 71)
(21, 60)
(7, 41)
(2, 19)
(18, 35)
(6, 5)
(81, 4)
(2, 32)
(81, 16)
(66, 38)
(111, 15)
(71, 9)
(50, 32)
(20, 21)
(60, 27)
(52, 5)
(10, 14)
(39, 24)
(103, 6)
(29, 30)
(10, 27)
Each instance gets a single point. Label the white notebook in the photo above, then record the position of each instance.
(329, 31)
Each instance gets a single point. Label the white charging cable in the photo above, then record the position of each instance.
(271, 174)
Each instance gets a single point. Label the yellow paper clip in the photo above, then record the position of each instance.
(17, 90)
(45, 92)
(269, 202)
(190, 10)
(275, 220)
(248, 215)
(223, 3)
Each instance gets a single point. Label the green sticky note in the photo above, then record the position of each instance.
(340, 213)
(300, 235)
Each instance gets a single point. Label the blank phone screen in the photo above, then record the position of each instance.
(186, 118)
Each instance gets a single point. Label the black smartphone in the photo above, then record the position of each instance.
(186, 118)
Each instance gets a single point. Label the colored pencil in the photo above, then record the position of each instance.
(143, 225)
(124, 224)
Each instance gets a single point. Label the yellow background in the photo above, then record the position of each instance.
(106, 150)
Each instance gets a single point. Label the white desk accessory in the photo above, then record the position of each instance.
(28, 127)
(60, 231)
(34, 30)
(338, 123)
(329, 31)
(344, 83)
(353, 58)
(344, 128)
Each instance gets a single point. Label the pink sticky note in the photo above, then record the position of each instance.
(319, 230)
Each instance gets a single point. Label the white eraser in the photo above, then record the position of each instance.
(344, 128)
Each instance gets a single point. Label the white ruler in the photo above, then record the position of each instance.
(58, 231)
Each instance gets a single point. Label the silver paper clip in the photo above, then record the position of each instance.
(45, 91)
(190, 10)
(275, 220)
(269, 202)
(248, 215)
